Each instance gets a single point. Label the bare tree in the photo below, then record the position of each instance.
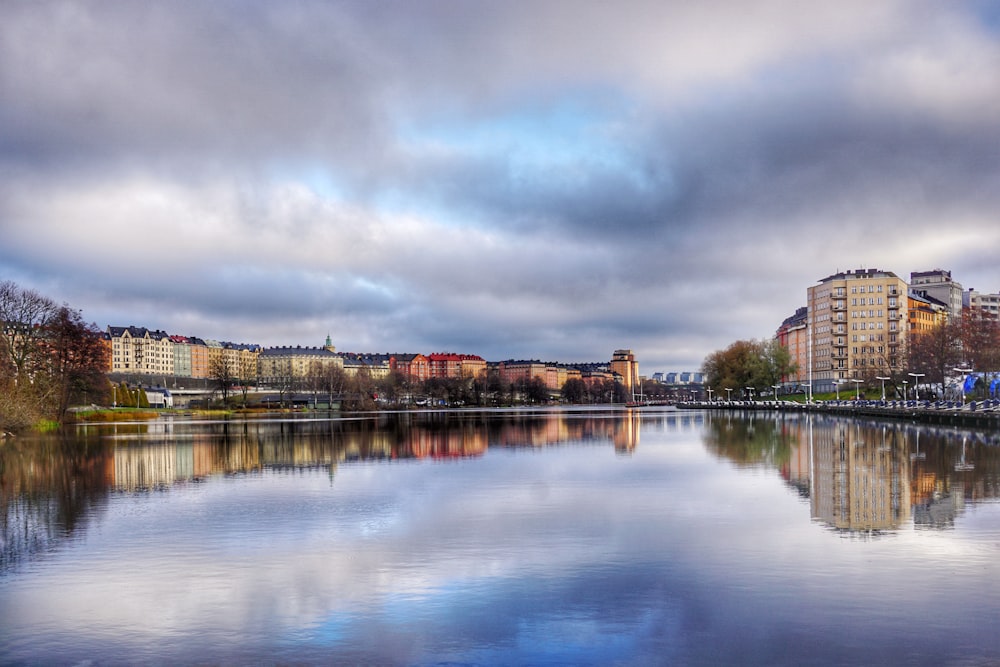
(24, 315)
(980, 335)
(936, 352)
(222, 375)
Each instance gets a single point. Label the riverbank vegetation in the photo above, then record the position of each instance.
(756, 364)
(49, 359)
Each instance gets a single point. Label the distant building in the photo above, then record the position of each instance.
(924, 313)
(141, 351)
(451, 365)
(414, 366)
(279, 364)
(793, 335)
(376, 366)
(624, 366)
(938, 285)
(985, 305)
(512, 371)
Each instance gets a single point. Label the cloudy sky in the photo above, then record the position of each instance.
(514, 179)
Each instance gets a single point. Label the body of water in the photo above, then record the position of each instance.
(552, 537)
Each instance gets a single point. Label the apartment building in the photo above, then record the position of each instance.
(924, 313)
(279, 364)
(451, 365)
(987, 305)
(857, 321)
(939, 285)
(141, 351)
(524, 370)
(376, 366)
(793, 335)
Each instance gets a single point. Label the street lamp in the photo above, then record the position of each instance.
(836, 386)
(775, 387)
(905, 382)
(857, 388)
(729, 394)
(963, 371)
(916, 384)
(883, 379)
(709, 394)
(750, 393)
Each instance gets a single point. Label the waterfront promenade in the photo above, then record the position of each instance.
(979, 414)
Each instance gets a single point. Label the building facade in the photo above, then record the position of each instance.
(985, 305)
(414, 366)
(141, 351)
(938, 285)
(278, 365)
(857, 322)
(793, 335)
(924, 313)
(624, 365)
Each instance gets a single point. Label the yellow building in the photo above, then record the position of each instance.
(857, 323)
(924, 313)
(281, 364)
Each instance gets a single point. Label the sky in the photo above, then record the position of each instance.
(546, 180)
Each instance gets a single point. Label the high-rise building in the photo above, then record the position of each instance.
(857, 323)
(623, 363)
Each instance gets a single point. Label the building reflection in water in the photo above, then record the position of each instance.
(52, 486)
(865, 476)
(860, 477)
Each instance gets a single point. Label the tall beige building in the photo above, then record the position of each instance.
(857, 323)
(623, 363)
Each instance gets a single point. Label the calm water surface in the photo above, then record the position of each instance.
(548, 537)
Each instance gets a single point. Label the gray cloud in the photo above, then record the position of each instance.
(553, 181)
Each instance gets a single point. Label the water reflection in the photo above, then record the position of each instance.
(545, 537)
(50, 485)
(864, 476)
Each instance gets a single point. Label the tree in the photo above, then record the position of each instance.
(222, 374)
(936, 352)
(48, 357)
(77, 357)
(980, 336)
(327, 378)
(748, 363)
(574, 391)
(774, 362)
(24, 314)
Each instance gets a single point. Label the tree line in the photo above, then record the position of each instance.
(50, 358)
